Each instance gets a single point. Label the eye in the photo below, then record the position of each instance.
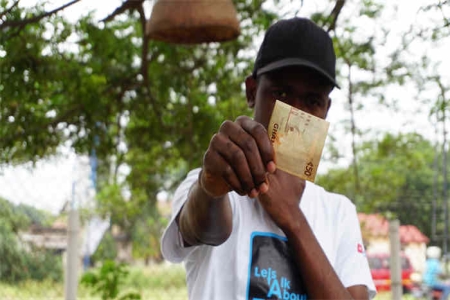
(280, 94)
(315, 100)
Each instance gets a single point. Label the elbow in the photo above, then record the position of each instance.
(216, 238)
(205, 235)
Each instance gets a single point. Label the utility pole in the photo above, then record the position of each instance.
(445, 184)
(72, 255)
(395, 262)
(71, 272)
(435, 181)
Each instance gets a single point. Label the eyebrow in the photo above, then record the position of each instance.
(322, 90)
(322, 83)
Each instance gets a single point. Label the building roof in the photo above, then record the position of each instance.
(375, 225)
(412, 234)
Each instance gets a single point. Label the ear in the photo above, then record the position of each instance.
(328, 107)
(250, 90)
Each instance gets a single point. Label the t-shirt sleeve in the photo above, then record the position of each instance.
(171, 241)
(352, 266)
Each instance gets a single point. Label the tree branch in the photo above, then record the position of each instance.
(145, 62)
(431, 6)
(23, 23)
(127, 5)
(145, 40)
(353, 128)
(332, 18)
(446, 22)
(138, 5)
(7, 11)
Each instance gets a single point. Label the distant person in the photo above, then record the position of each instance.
(433, 269)
(434, 275)
(247, 230)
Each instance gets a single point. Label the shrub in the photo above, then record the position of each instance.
(19, 264)
(108, 280)
(106, 250)
(13, 267)
(43, 264)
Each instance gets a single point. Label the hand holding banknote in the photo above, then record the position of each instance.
(238, 158)
(240, 155)
(298, 139)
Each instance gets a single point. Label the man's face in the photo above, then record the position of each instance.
(299, 87)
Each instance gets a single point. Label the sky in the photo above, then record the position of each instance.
(49, 183)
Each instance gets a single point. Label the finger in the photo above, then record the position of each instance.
(263, 188)
(219, 176)
(236, 160)
(259, 134)
(249, 148)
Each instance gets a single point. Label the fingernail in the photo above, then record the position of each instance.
(253, 193)
(271, 167)
(263, 188)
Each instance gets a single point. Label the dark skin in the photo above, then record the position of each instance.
(240, 158)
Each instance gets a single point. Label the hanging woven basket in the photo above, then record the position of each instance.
(193, 21)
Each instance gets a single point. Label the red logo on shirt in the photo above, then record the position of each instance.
(360, 248)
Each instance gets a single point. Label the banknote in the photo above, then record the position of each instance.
(298, 139)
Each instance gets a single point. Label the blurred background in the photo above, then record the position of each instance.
(100, 120)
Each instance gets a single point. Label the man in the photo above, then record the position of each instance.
(433, 270)
(246, 230)
(434, 276)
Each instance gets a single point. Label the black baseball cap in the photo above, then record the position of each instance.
(297, 42)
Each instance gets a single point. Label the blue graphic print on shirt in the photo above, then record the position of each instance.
(272, 273)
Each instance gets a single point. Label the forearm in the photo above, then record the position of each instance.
(204, 219)
(323, 282)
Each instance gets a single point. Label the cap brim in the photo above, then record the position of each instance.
(290, 62)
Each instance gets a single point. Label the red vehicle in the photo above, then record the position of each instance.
(380, 269)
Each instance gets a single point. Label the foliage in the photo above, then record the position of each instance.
(143, 224)
(442, 24)
(83, 95)
(155, 277)
(42, 264)
(106, 250)
(12, 268)
(366, 76)
(358, 71)
(108, 281)
(157, 282)
(35, 216)
(397, 174)
(29, 79)
(12, 219)
(152, 110)
(146, 234)
(20, 261)
(29, 289)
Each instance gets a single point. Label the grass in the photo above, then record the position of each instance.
(159, 282)
(388, 296)
(384, 296)
(33, 290)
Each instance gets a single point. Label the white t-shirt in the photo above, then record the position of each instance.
(254, 263)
